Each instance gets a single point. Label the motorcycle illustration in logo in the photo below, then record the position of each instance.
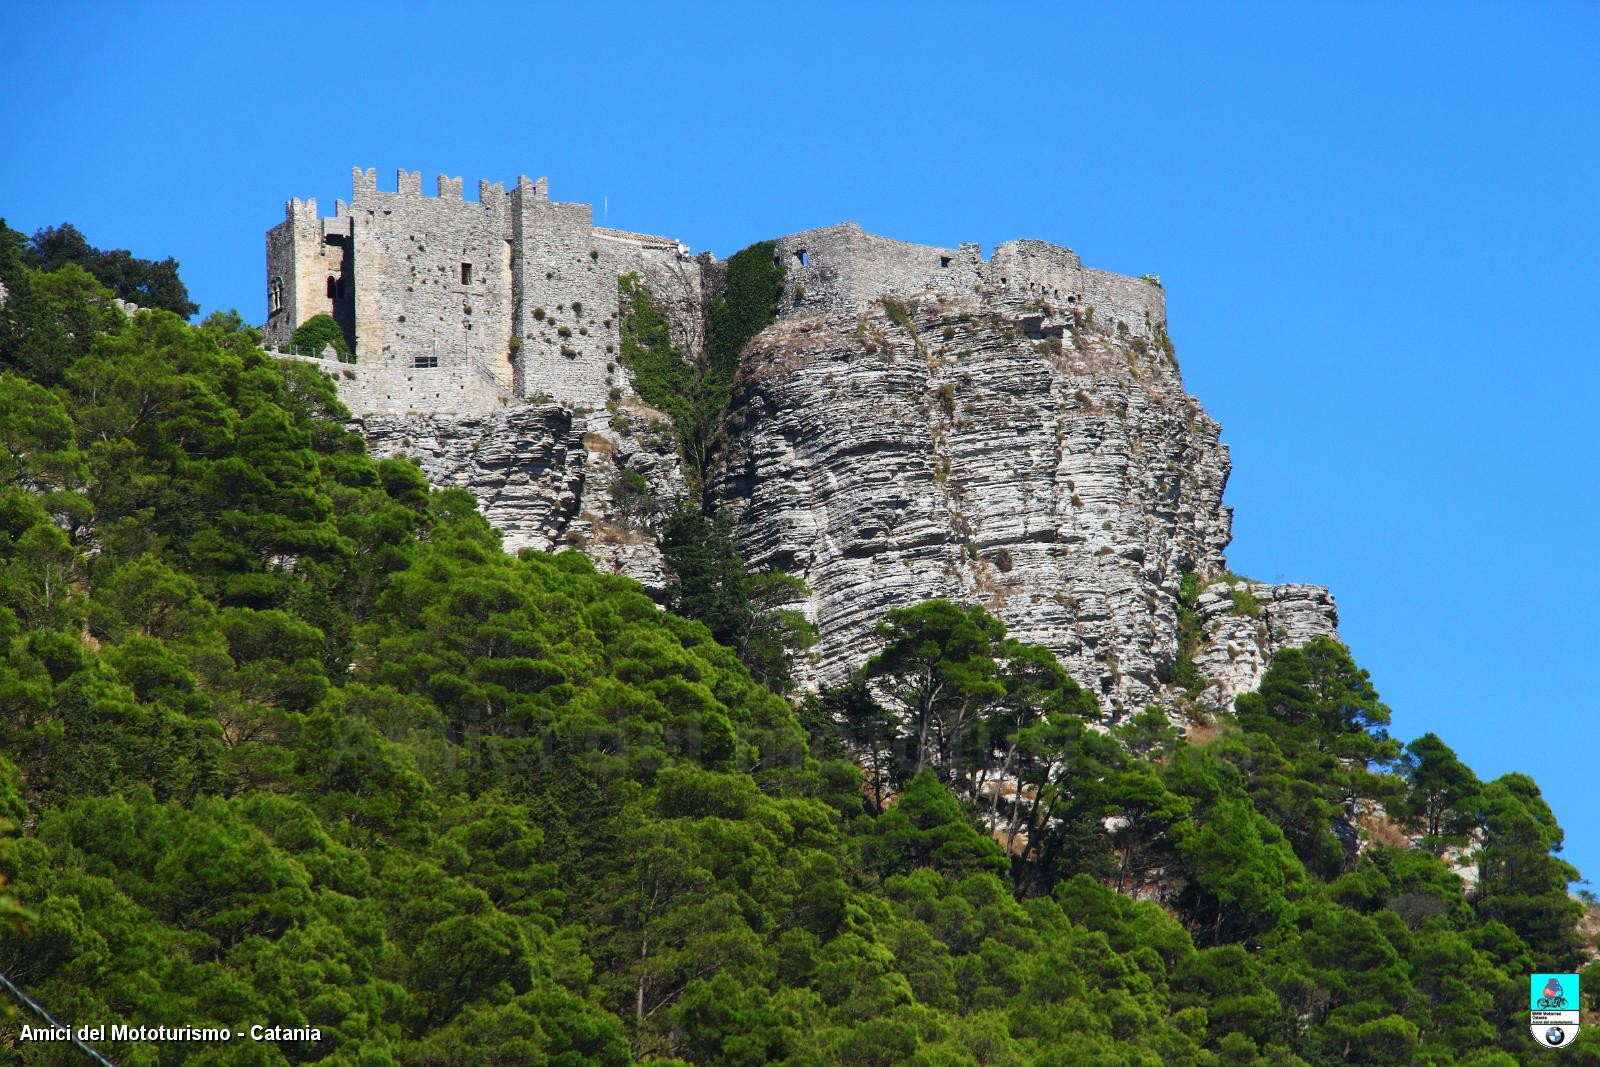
(1553, 1008)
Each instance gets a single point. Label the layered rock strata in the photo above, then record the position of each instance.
(1245, 624)
(993, 448)
(550, 477)
(1012, 432)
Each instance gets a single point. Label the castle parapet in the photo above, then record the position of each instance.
(844, 266)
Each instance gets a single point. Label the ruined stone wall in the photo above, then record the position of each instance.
(843, 266)
(1045, 273)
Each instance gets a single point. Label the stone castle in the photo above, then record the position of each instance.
(452, 306)
(456, 306)
(1011, 431)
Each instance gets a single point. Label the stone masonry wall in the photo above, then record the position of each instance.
(303, 260)
(842, 266)
(433, 289)
(454, 305)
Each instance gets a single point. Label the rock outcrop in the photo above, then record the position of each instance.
(549, 477)
(1012, 432)
(989, 448)
(1244, 624)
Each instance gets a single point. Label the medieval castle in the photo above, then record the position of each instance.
(452, 306)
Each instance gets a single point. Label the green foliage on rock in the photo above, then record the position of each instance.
(696, 392)
(748, 306)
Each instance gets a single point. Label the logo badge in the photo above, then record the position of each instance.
(1553, 1008)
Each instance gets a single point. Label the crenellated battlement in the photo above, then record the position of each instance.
(518, 292)
(514, 292)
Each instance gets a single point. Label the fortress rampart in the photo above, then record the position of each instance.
(456, 306)
(844, 266)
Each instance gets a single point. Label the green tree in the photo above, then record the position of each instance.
(938, 668)
(749, 612)
(317, 333)
(145, 282)
(1442, 795)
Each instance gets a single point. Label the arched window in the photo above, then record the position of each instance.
(333, 287)
(275, 296)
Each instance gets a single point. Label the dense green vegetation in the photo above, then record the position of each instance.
(145, 282)
(695, 392)
(289, 739)
(318, 333)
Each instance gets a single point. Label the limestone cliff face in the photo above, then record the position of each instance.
(548, 477)
(1012, 432)
(993, 448)
(1243, 633)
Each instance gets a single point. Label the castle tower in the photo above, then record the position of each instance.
(309, 272)
(454, 306)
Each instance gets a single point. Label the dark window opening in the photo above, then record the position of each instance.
(333, 287)
(275, 296)
(803, 257)
(944, 261)
(425, 361)
(466, 274)
(777, 261)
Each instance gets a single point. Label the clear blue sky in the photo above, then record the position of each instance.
(1377, 226)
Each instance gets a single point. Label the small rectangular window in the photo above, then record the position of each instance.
(944, 261)
(425, 361)
(466, 274)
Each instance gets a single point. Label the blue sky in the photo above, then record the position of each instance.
(1377, 230)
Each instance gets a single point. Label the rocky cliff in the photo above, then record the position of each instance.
(550, 477)
(1000, 449)
(997, 441)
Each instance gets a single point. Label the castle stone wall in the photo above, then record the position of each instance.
(433, 286)
(1034, 270)
(453, 305)
(303, 263)
(390, 389)
(567, 300)
(843, 266)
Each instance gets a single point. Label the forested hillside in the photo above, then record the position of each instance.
(289, 739)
